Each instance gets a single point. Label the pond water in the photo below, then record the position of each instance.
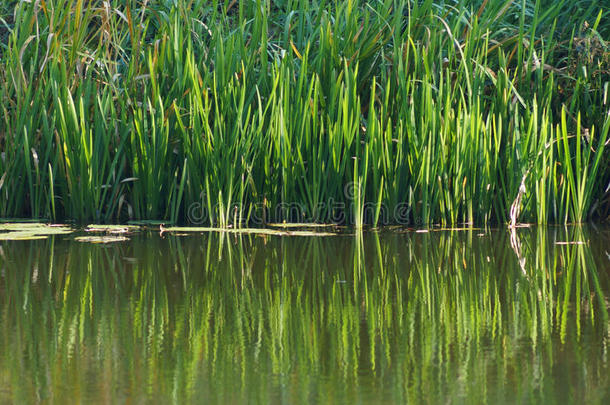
(438, 317)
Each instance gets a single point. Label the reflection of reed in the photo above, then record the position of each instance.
(515, 244)
(232, 318)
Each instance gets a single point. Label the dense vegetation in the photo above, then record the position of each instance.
(386, 111)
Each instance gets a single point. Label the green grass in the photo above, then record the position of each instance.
(393, 111)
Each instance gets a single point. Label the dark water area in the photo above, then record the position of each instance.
(439, 317)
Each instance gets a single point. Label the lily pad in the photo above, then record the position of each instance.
(27, 226)
(455, 229)
(310, 233)
(101, 239)
(31, 230)
(112, 229)
(54, 231)
(304, 225)
(247, 231)
(21, 236)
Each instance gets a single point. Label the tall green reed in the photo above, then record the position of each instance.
(353, 112)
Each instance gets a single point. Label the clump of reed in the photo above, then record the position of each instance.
(228, 113)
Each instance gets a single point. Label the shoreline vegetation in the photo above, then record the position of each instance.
(231, 113)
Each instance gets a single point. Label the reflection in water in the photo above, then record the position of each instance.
(435, 318)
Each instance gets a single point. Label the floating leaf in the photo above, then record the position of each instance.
(101, 239)
(21, 236)
(249, 231)
(300, 225)
(113, 229)
(35, 228)
(455, 229)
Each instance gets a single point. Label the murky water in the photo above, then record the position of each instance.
(439, 317)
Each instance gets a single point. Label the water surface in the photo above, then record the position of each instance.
(437, 317)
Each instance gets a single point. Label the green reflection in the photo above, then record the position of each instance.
(436, 317)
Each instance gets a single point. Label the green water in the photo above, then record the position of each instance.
(438, 317)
